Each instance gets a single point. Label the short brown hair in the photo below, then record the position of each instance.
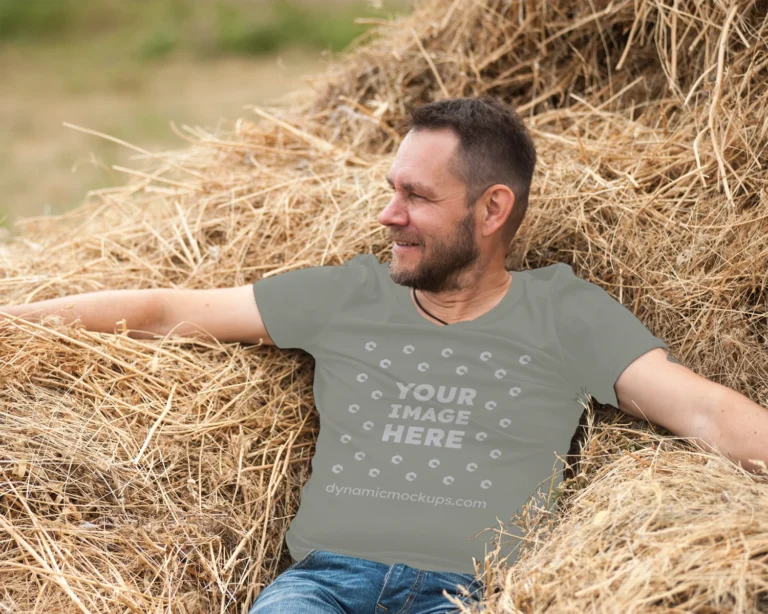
(494, 147)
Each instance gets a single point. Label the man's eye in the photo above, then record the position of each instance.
(416, 196)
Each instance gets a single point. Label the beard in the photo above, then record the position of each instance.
(440, 270)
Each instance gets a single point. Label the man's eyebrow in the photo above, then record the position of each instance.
(413, 186)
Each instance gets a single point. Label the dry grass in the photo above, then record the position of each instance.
(160, 476)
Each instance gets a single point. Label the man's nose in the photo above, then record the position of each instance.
(394, 213)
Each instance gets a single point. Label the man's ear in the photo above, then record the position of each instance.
(499, 201)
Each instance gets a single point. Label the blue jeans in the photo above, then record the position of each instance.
(329, 583)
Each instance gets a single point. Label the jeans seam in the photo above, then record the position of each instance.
(416, 585)
(300, 564)
(383, 588)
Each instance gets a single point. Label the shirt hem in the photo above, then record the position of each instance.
(389, 558)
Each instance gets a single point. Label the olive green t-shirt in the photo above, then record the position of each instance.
(429, 433)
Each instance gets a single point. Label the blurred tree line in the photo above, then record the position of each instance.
(205, 28)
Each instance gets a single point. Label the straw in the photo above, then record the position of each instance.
(160, 475)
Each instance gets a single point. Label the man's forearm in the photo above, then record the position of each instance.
(739, 429)
(97, 311)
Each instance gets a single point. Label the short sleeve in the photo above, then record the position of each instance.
(297, 305)
(599, 337)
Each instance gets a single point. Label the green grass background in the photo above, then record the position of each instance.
(128, 67)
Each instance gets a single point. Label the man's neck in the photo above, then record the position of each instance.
(464, 304)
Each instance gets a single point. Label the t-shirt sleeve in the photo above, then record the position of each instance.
(297, 305)
(599, 337)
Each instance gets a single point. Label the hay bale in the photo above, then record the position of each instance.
(151, 476)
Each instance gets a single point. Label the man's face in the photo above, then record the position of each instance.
(428, 208)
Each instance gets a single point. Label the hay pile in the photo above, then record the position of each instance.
(160, 476)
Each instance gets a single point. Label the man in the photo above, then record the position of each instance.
(446, 385)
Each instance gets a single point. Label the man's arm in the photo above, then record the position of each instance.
(659, 388)
(97, 311)
(226, 314)
(739, 428)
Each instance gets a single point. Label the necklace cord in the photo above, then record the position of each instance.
(424, 310)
